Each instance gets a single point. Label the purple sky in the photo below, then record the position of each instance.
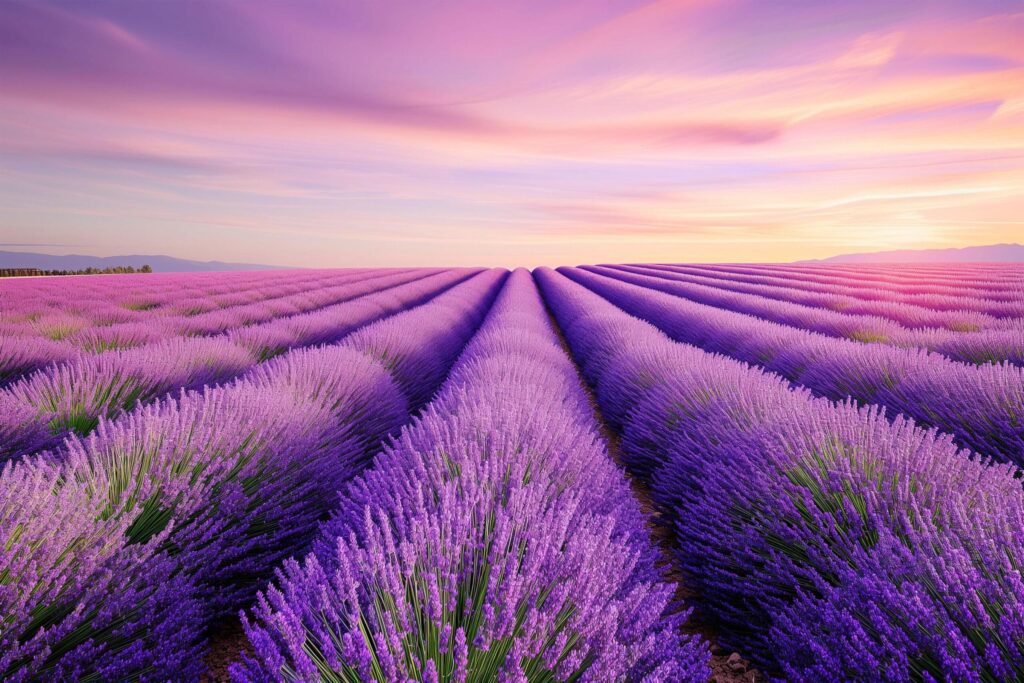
(390, 133)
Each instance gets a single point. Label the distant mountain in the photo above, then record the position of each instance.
(160, 264)
(993, 253)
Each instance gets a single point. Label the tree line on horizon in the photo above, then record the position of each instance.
(115, 270)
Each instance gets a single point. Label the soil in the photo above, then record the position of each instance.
(227, 642)
(726, 666)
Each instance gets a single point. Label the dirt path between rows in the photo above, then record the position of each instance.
(227, 642)
(726, 666)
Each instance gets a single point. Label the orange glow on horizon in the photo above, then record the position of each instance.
(629, 131)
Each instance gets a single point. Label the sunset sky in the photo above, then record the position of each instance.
(377, 132)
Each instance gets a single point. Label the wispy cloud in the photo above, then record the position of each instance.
(263, 130)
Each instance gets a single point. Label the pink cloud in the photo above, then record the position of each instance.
(688, 119)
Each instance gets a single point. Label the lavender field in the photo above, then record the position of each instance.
(605, 473)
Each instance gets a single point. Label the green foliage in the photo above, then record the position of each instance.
(39, 272)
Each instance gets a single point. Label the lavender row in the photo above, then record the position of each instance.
(40, 410)
(126, 296)
(981, 406)
(26, 350)
(989, 346)
(277, 333)
(954, 311)
(990, 276)
(981, 273)
(866, 284)
(148, 290)
(268, 304)
(493, 540)
(271, 306)
(121, 552)
(825, 540)
(19, 356)
(954, 308)
(941, 297)
(122, 328)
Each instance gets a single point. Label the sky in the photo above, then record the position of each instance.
(533, 132)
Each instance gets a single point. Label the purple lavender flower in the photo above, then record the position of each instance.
(78, 599)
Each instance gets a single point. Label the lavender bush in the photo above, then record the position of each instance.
(78, 600)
